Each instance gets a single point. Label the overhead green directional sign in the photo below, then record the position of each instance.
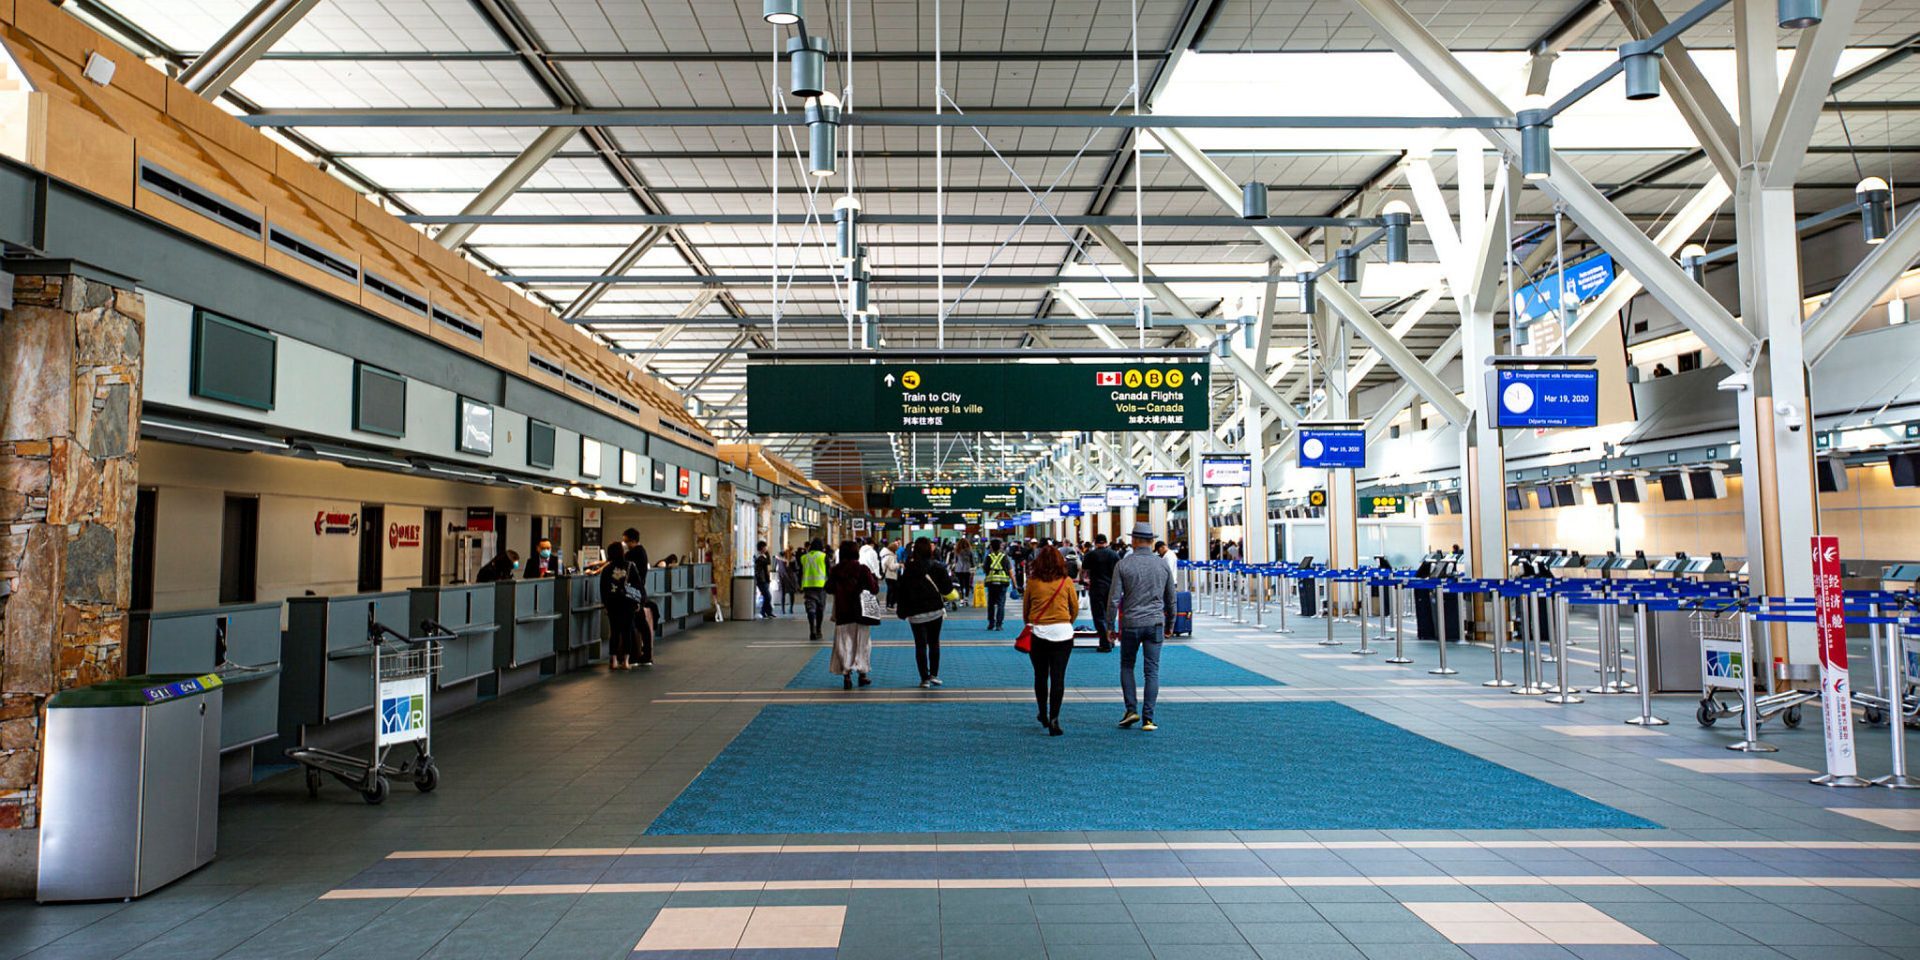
(929, 397)
(949, 496)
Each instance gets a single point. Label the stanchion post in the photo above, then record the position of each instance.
(1749, 707)
(1499, 604)
(1562, 693)
(1440, 625)
(1366, 649)
(1398, 592)
(1326, 607)
(1640, 678)
(1286, 597)
(1259, 596)
(1897, 707)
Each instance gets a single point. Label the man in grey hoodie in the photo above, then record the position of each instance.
(1143, 596)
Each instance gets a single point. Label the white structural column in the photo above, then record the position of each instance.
(1255, 541)
(1780, 499)
(210, 74)
(1483, 473)
(506, 183)
(1342, 515)
(1330, 291)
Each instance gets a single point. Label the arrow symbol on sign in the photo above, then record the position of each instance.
(1196, 378)
(888, 380)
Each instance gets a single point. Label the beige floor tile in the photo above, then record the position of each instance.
(696, 928)
(1610, 932)
(1908, 819)
(1509, 703)
(1469, 911)
(1546, 911)
(1509, 931)
(1604, 730)
(1735, 765)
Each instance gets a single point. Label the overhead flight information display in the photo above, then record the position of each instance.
(930, 397)
(1527, 397)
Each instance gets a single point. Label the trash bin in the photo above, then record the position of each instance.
(131, 787)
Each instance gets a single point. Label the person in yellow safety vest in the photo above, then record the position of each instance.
(813, 586)
(999, 576)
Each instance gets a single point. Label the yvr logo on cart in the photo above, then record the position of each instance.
(1726, 665)
(406, 713)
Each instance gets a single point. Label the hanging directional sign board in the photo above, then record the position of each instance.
(1229, 470)
(999, 496)
(929, 397)
(1165, 486)
(1330, 448)
(1123, 495)
(1545, 397)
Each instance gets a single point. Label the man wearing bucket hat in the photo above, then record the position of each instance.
(1143, 595)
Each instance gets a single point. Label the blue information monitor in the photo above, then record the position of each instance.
(1546, 397)
(1333, 449)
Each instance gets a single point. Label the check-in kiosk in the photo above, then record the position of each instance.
(526, 615)
(1634, 564)
(577, 635)
(1673, 566)
(1711, 565)
(328, 676)
(468, 612)
(1309, 591)
(1900, 576)
(241, 643)
(1438, 565)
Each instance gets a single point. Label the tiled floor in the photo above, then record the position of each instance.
(536, 844)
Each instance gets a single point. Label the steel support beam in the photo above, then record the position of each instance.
(1058, 118)
(1717, 328)
(1809, 80)
(869, 219)
(1331, 292)
(1595, 316)
(211, 73)
(621, 264)
(1130, 262)
(1861, 289)
(503, 185)
(1695, 98)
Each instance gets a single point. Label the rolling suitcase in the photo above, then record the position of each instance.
(1183, 614)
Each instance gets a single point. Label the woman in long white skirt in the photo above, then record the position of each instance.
(852, 633)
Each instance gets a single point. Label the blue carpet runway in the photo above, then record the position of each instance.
(984, 668)
(984, 768)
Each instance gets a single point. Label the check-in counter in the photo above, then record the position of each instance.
(702, 593)
(579, 629)
(329, 674)
(468, 612)
(528, 613)
(240, 642)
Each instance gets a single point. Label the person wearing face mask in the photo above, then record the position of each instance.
(501, 567)
(545, 563)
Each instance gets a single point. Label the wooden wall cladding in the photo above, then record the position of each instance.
(96, 138)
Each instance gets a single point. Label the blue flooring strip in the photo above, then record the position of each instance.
(983, 768)
(962, 625)
(1000, 667)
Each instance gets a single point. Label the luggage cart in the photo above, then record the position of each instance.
(1876, 708)
(403, 669)
(1725, 634)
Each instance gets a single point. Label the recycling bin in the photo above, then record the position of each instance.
(131, 786)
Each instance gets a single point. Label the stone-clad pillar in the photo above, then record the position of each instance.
(70, 351)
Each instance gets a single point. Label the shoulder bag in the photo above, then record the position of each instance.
(871, 610)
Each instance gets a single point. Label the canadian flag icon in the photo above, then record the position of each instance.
(1106, 378)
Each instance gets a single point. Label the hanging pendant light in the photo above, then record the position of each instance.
(1303, 275)
(1399, 219)
(1253, 200)
(823, 135)
(1346, 266)
(1876, 209)
(1536, 146)
(846, 223)
(1693, 259)
(1799, 14)
(781, 13)
(807, 66)
(1640, 68)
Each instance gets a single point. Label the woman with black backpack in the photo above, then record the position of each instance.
(924, 589)
(622, 591)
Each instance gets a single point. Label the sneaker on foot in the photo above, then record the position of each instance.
(1148, 726)
(926, 684)
(1129, 720)
(934, 680)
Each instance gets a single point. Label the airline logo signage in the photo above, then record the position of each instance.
(1830, 620)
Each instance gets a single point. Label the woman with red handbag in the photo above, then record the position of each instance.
(1049, 607)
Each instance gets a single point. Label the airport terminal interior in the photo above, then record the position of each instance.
(959, 479)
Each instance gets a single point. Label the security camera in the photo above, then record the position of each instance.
(1789, 415)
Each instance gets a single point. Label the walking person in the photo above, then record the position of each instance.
(622, 606)
(890, 572)
(852, 630)
(763, 579)
(924, 587)
(998, 571)
(1143, 595)
(1097, 568)
(813, 583)
(963, 571)
(1049, 609)
(787, 570)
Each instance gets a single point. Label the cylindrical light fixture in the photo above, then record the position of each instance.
(1799, 14)
(1640, 64)
(1399, 219)
(782, 12)
(1253, 200)
(1303, 275)
(807, 66)
(1876, 208)
(1536, 147)
(859, 293)
(823, 135)
(1346, 265)
(1693, 259)
(846, 223)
